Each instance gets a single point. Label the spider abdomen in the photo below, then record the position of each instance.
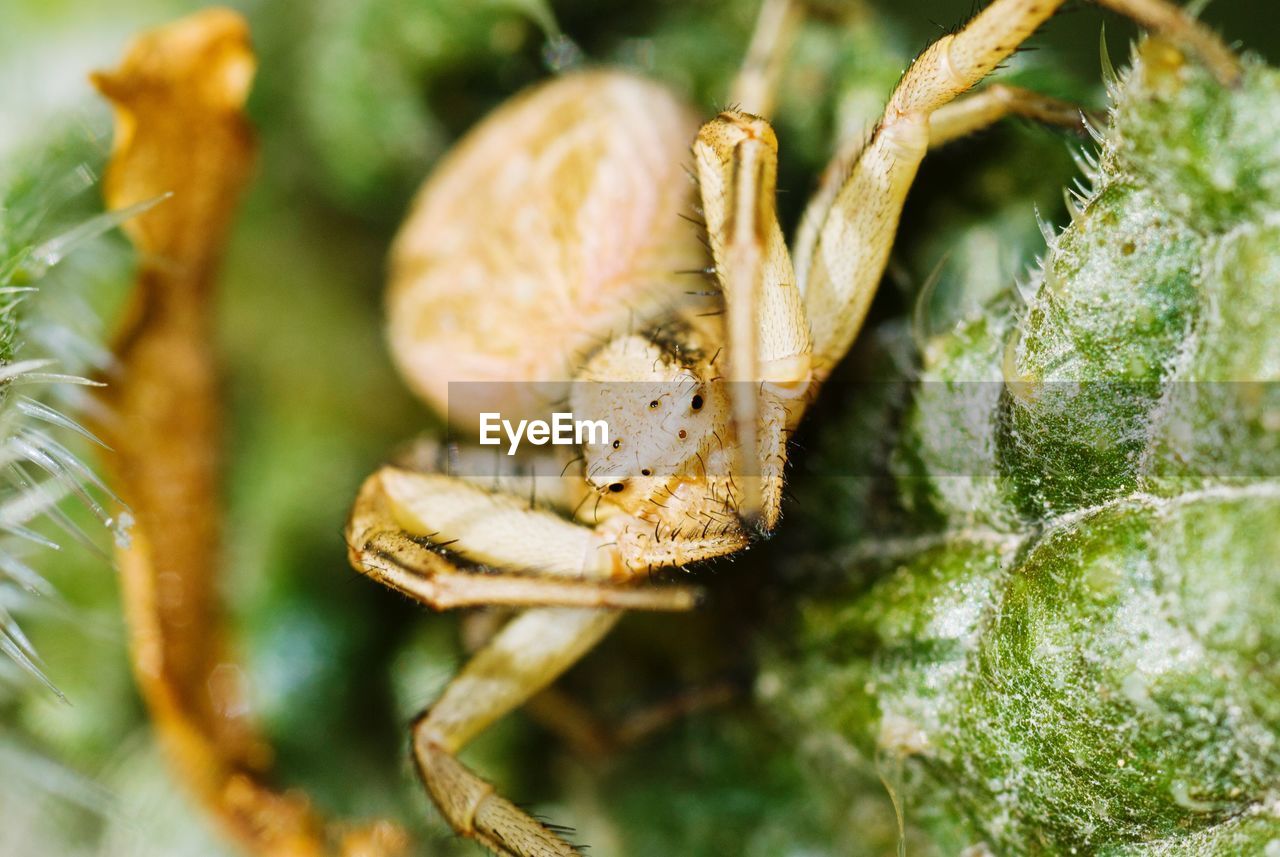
(552, 225)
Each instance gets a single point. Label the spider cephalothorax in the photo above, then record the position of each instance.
(667, 421)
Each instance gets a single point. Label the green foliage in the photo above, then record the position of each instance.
(46, 338)
(1075, 650)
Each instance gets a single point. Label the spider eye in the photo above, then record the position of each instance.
(653, 405)
(646, 472)
(696, 404)
(615, 487)
(617, 443)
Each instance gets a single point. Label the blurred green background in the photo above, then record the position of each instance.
(354, 100)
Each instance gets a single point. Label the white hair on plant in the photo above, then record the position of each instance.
(49, 345)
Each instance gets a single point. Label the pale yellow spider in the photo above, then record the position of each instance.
(544, 249)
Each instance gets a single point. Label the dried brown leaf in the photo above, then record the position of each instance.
(181, 133)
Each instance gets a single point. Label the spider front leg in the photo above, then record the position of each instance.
(840, 268)
(767, 332)
(403, 522)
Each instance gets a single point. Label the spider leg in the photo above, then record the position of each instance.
(390, 541)
(840, 268)
(530, 652)
(753, 93)
(591, 736)
(644, 545)
(767, 332)
(756, 85)
(1179, 26)
(978, 110)
(966, 115)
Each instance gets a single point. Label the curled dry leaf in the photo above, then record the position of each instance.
(181, 133)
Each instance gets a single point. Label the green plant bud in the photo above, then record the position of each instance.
(1073, 648)
(954, 472)
(1084, 374)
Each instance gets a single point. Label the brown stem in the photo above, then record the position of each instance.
(180, 129)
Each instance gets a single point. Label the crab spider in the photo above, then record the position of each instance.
(548, 239)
